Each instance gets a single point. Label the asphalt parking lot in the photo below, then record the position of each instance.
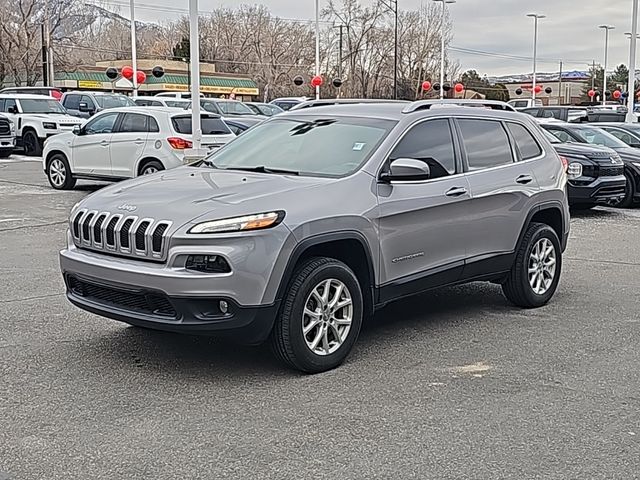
(453, 384)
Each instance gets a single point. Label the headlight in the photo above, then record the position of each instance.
(574, 170)
(49, 125)
(239, 224)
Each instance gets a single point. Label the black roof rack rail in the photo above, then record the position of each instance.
(427, 104)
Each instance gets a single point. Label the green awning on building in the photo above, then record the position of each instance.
(169, 78)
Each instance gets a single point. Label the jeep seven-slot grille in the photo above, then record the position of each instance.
(117, 234)
(139, 301)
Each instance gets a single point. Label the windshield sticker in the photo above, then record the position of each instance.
(358, 146)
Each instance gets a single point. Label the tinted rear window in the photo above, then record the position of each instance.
(209, 125)
(486, 143)
(527, 145)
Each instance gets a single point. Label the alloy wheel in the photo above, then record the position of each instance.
(57, 172)
(542, 266)
(327, 317)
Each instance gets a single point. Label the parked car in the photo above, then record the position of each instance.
(239, 125)
(595, 174)
(163, 102)
(560, 112)
(571, 132)
(285, 103)
(227, 108)
(300, 228)
(183, 95)
(127, 142)
(522, 103)
(7, 136)
(628, 133)
(36, 118)
(87, 104)
(46, 91)
(266, 109)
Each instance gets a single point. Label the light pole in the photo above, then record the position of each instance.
(317, 47)
(631, 87)
(134, 60)
(606, 29)
(194, 51)
(535, 17)
(392, 5)
(442, 46)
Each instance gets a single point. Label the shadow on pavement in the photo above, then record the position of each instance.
(177, 355)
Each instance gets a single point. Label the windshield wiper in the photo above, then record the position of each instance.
(263, 169)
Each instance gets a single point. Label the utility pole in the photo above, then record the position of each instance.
(631, 87)
(606, 28)
(392, 6)
(48, 79)
(194, 50)
(45, 63)
(134, 60)
(535, 17)
(560, 85)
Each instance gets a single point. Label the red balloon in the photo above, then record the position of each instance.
(591, 93)
(316, 81)
(616, 94)
(459, 88)
(140, 77)
(426, 85)
(538, 89)
(127, 72)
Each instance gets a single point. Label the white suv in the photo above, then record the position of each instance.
(126, 142)
(36, 118)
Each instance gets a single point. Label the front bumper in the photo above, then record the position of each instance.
(602, 191)
(154, 309)
(7, 142)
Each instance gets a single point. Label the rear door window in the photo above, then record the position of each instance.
(525, 142)
(486, 143)
(133, 122)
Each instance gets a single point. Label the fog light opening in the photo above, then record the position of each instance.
(207, 264)
(224, 306)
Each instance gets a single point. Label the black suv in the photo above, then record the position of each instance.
(565, 113)
(568, 132)
(596, 174)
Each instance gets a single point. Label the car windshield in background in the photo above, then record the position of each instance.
(551, 137)
(322, 146)
(43, 105)
(114, 101)
(209, 125)
(597, 136)
(234, 108)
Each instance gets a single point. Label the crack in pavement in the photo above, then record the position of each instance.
(38, 225)
(612, 262)
(39, 297)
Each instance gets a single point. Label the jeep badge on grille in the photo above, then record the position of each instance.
(127, 207)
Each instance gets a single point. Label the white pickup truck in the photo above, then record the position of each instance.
(36, 118)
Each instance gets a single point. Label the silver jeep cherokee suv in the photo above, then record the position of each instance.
(299, 229)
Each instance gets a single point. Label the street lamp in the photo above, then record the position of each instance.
(442, 47)
(631, 83)
(606, 29)
(134, 60)
(317, 47)
(535, 17)
(392, 5)
(194, 53)
(631, 87)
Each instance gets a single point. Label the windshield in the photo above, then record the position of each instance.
(331, 147)
(44, 105)
(597, 136)
(234, 108)
(551, 137)
(114, 101)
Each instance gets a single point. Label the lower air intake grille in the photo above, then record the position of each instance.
(150, 303)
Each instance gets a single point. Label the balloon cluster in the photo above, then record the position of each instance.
(127, 72)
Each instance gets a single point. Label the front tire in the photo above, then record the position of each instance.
(535, 273)
(32, 145)
(629, 192)
(320, 317)
(59, 173)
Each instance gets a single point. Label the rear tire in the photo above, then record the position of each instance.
(150, 167)
(31, 143)
(535, 273)
(59, 172)
(315, 332)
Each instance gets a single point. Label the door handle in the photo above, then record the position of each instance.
(104, 143)
(524, 179)
(456, 192)
(139, 141)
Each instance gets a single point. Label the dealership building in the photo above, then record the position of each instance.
(176, 79)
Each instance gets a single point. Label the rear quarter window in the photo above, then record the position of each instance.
(209, 125)
(525, 142)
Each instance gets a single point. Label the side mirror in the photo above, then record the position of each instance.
(76, 130)
(84, 107)
(406, 170)
(13, 110)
